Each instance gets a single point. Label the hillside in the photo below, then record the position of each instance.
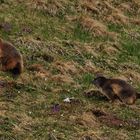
(64, 44)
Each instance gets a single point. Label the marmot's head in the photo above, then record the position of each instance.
(99, 81)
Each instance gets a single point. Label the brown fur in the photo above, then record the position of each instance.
(116, 88)
(10, 58)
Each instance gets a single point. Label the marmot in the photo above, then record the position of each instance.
(116, 88)
(10, 59)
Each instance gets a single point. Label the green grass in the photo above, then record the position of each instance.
(81, 35)
(130, 51)
(26, 108)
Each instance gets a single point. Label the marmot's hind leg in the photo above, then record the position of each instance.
(127, 97)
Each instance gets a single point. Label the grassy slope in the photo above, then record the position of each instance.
(71, 41)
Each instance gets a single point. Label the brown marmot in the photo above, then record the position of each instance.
(112, 88)
(10, 59)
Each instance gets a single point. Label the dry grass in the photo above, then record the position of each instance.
(51, 7)
(97, 28)
(65, 44)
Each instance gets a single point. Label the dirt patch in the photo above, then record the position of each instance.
(113, 121)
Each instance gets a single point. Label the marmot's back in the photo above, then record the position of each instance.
(9, 50)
